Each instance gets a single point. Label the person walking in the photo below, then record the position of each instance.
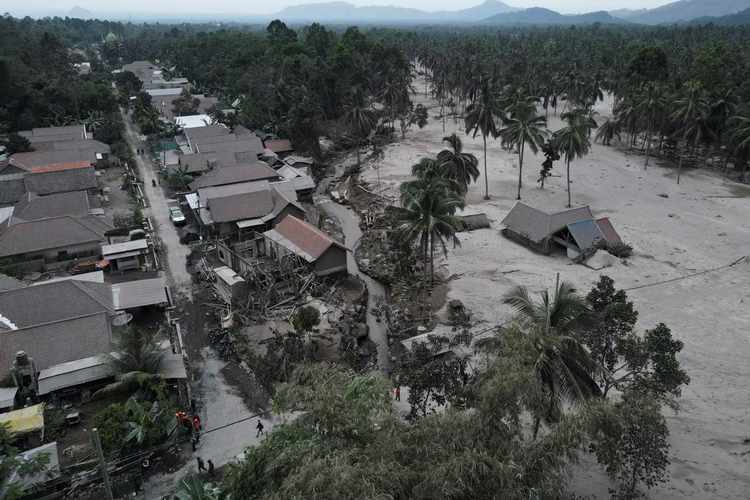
(398, 393)
(260, 428)
(201, 465)
(210, 468)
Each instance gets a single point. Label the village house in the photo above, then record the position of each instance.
(53, 242)
(74, 323)
(295, 236)
(238, 211)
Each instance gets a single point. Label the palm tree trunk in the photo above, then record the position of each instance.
(486, 182)
(520, 167)
(648, 145)
(358, 154)
(569, 202)
(679, 168)
(432, 259)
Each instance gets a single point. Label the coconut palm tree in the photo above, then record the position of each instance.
(480, 117)
(360, 118)
(573, 141)
(459, 166)
(608, 130)
(563, 366)
(740, 136)
(192, 487)
(692, 115)
(427, 216)
(524, 127)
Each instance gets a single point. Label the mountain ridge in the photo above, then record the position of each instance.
(687, 10)
(542, 16)
(345, 11)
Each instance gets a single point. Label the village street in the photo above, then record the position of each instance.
(219, 403)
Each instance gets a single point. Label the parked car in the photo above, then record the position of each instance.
(176, 216)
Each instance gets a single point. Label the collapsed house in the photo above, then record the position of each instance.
(575, 229)
(324, 254)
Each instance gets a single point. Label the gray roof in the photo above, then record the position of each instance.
(51, 233)
(207, 131)
(11, 191)
(241, 206)
(235, 174)
(79, 179)
(77, 145)
(62, 300)
(33, 207)
(537, 225)
(233, 143)
(132, 294)
(208, 193)
(66, 133)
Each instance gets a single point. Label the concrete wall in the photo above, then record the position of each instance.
(56, 343)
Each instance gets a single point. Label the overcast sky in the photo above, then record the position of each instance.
(249, 7)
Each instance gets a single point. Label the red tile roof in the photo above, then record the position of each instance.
(59, 167)
(306, 236)
(279, 145)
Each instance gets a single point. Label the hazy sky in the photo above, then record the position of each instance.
(248, 7)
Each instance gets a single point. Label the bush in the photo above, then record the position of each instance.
(618, 249)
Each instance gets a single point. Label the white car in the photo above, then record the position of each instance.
(176, 216)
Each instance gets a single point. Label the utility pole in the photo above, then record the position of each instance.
(102, 463)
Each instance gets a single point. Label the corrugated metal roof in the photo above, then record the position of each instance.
(302, 238)
(585, 233)
(59, 167)
(608, 230)
(537, 225)
(131, 294)
(72, 373)
(7, 397)
(127, 246)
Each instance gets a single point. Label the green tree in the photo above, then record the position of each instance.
(16, 143)
(459, 167)
(305, 319)
(434, 378)
(14, 468)
(692, 117)
(192, 487)
(480, 118)
(629, 439)
(427, 217)
(524, 128)
(608, 130)
(573, 141)
(562, 364)
(360, 118)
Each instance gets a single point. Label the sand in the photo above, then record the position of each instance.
(702, 224)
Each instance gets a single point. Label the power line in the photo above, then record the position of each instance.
(693, 275)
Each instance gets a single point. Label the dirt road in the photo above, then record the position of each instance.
(229, 425)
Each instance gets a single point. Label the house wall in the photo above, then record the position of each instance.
(332, 261)
(92, 249)
(56, 343)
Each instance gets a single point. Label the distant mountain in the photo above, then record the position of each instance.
(687, 10)
(80, 13)
(627, 13)
(347, 13)
(731, 20)
(540, 16)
